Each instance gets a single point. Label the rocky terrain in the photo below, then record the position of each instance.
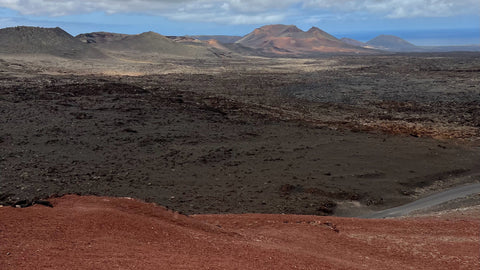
(326, 136)
(211, 130)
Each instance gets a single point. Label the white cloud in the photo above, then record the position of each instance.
(401, 8)
(245, 11)
(229, 19)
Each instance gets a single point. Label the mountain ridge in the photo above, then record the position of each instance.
(289, 40)
(148, 42)
(276, 40)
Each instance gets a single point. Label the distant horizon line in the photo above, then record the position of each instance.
(421, 37)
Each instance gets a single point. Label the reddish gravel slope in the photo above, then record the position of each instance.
(112, 233)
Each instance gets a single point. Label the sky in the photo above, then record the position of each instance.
(422, 22)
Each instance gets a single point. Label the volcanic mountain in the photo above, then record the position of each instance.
(288, 40)
(148, 42)
(393, 44)
(37, 40)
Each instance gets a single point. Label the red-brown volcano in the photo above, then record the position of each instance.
(289, 40)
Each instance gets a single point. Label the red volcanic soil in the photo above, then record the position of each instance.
(121, 233)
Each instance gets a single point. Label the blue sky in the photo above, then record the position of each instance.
(422, 22)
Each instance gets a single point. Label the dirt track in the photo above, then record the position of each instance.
(106, 233)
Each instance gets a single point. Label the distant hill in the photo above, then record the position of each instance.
(145, 42)
(148, 42)
(37, 40)
(393, 44)
(288, 40)
(219, 38)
